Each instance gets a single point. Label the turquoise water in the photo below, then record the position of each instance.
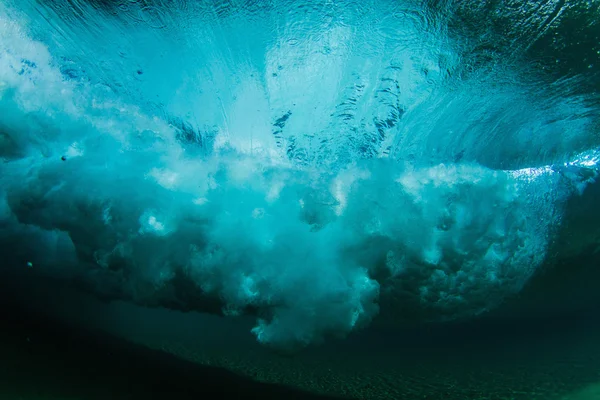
(377, 199)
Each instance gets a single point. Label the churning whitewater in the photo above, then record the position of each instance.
(341, 164)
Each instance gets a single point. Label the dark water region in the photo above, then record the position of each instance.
(58, 343)
(44, 358)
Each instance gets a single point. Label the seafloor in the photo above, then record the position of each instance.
(42, 358)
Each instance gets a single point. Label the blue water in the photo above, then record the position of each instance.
(317, 167)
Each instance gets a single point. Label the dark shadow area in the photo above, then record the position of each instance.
(568, 284)
(44, 358)
(59, 357)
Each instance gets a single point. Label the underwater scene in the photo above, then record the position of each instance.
(300, 199)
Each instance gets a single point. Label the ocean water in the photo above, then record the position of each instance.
(312, 199)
